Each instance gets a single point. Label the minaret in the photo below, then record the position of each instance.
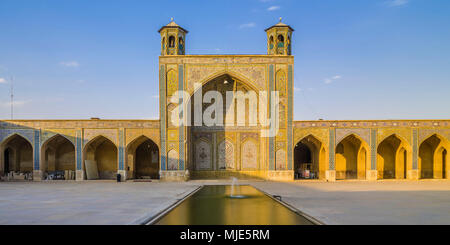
(173, 39)
(279, 38)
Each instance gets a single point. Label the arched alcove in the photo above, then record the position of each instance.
(143, 159)
(103, 152)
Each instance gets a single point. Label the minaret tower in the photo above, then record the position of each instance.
(279, 38)
(173, 39)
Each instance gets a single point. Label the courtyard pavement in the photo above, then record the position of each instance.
(368, 203)
(107, 202)
(89, 202)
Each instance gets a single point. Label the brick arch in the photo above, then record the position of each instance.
(3, 147)
(444, 140)
(352, 165)
(242, 78)
(11, 136)
(133, 161)
(137, 136)
(49, 139)
(431, 165)
(92, 139)
(393, 160)
(108, 164)
(356, 135)
(404, 141)
(299, 139)
(43, 148)
(316, 150)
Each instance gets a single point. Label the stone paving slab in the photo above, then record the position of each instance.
(90, 202)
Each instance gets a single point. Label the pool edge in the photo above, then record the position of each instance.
(310, 218)
(155, 218)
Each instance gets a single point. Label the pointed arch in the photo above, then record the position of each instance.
(353, 134)
(12, 135)
(393, 155)
(57, 154)
(439, 136)
(352, 157)
(16, 154)
(433, 158)
(309, 158)
(101, 153)
(142, 158)
(240, 77)
(231, 114)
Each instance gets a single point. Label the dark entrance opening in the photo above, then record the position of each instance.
(147, 160)
(303, 163)
(6, 161)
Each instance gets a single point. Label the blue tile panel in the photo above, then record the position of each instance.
(79, 150)
(121, 148)
(332, 148)
(271, 139)
(373, 149)
(162, 103)
(181, 129)
(290, 112)
(415, 146)
(36, 147)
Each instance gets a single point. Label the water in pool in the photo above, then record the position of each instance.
(220, 205)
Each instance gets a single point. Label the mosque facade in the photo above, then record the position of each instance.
(168, 150)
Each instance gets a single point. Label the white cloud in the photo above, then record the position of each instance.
(17, 103)
(70, 63)
(247, 25)
(396, 3)
(2, 80)
(297, 89)
(273, 8)
(332, 79)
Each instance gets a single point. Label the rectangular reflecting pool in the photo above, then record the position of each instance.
(214, 205)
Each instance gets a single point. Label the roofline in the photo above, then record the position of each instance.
(162, 28)
(290, 28)
(77, 120)
(227, 55)
(353, 120)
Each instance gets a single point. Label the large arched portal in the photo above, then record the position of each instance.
(143, 159)
(58, 157)
(392, 158)
(224, 132)
(102, 156)
(17, 155)
(433, 158)
(309, 159)
(351, 158)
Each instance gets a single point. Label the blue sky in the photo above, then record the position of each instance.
(372, 59)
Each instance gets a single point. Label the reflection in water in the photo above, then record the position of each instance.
(212, 205)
